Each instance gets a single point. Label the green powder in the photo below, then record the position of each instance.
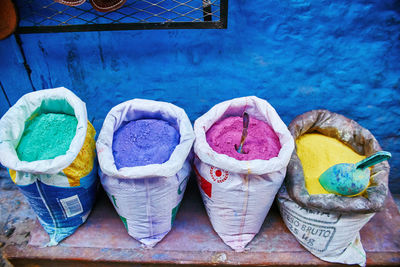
(46, 137)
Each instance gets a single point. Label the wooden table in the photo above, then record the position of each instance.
(103, 240)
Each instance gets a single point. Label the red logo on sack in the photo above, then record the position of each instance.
(205, 185)
(218, 175)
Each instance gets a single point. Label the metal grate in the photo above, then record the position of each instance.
(40, 16)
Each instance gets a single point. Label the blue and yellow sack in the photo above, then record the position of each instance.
(61, 190)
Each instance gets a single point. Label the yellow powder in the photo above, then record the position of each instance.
(317, 153)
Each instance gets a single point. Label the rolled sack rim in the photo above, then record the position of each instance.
(133, 110)
(12, 126)
(355, 136)
(259, 109)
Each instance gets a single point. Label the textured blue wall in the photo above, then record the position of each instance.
(299, 55)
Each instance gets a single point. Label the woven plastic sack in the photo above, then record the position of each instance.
(238, 194)
(62, 190)
(146, 198)
(328, 225)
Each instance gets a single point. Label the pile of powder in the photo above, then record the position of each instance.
(143, 142)
(317, 153)
(261, 142)
(46, 137)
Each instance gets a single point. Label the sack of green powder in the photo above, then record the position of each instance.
(238, 194)
(146, 197)
(59, 185)
(328, 225)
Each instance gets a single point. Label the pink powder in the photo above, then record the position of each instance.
(261, 142)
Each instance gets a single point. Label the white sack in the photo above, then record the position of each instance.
(61, 201)
(238, 194)
(146, 197)
(330, 236)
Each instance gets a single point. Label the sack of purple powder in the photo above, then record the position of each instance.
(143, 151)
(238, 180)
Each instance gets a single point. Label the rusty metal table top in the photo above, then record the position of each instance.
(103, 240)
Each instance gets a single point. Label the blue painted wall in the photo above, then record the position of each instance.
(299, 55)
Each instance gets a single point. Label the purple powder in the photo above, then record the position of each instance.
(143, 142)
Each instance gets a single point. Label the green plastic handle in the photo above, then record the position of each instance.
(374, 159)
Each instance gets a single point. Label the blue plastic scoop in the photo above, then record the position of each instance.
(348, 179)
(246, 121)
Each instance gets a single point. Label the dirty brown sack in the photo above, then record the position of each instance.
(328, 225)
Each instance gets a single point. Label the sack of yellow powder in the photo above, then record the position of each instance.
(48, 146)
(328, 225)
(238, 194)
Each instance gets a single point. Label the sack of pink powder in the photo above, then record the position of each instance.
(238, 183)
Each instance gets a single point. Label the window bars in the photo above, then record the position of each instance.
(42, 16)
